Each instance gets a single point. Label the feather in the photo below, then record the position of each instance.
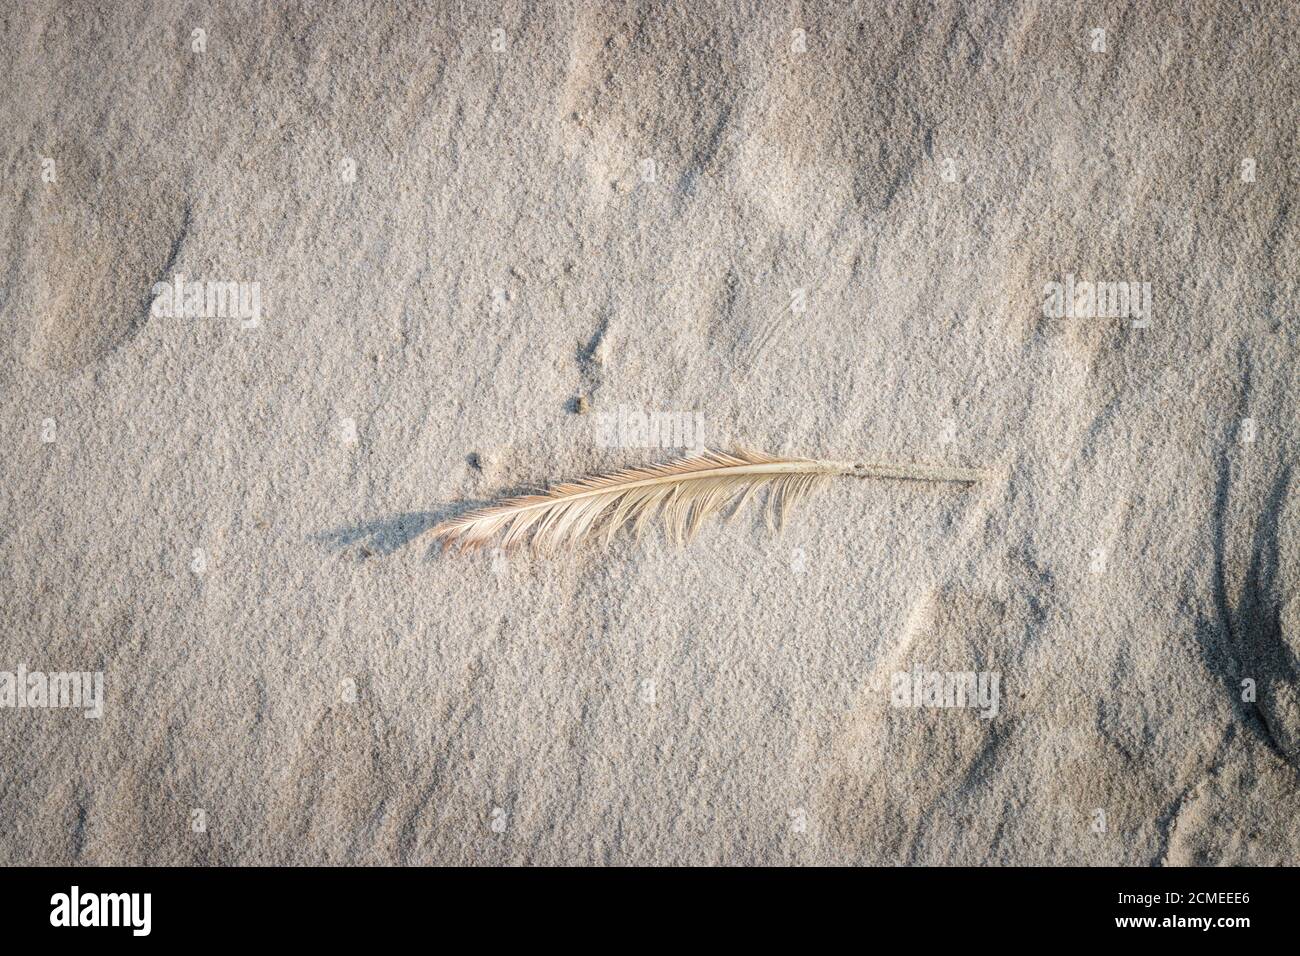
(684, 492)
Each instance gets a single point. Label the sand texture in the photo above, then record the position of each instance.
(478, 233)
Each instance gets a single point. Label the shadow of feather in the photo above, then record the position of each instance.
(385, 536)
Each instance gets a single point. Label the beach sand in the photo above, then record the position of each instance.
(472, 236)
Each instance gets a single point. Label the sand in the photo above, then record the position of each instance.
(813, 229)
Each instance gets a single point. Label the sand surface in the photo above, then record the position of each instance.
(814, 229)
